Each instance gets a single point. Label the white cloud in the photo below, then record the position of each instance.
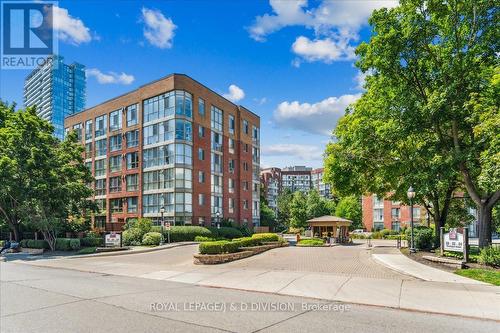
(110, 77)
(360, 80)
(326, 50)
(68, 28)
(158, 30)
(336, 25)
(235, 93)
(317, 118)
(298, 151)
(260, 101)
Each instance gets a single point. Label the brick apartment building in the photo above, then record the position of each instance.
(172, 144)
(387, 214)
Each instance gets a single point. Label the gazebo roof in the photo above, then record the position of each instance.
(328, 218)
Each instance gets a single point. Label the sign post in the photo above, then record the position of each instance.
(466, 245)
(441, 240)
(457, 242)
(167, 226)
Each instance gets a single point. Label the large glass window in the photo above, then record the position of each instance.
(115, 142)
(159, 132)
(132, 160)
(216, 204)
(158, 179)
(178, 102)
(183, 154)
(183, 178)
(100, 187)
(151, 203)
(217, 141)
(116, 205)
(88, 129)
(78, 129)
(132, 138)
(217, 119)
(158, 156)
(201, 107)
(216, 163)
(100, 126)
(183, 202)
(115, 120)
(100, 168)
(132, 182)
(183, 130)
(216, 184)
(115, 163)
(232, 124)
(132, 115)
(115, 184)
(100, 147)
(132, 205)
(255, 133)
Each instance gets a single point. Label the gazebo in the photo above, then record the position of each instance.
(330, 226)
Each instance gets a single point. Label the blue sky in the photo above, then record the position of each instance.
(291, 62)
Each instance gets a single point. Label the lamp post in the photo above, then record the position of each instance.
(218, 219)
(162, 211)
(411, 195)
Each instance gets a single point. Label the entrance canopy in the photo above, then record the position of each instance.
(330, 226)
(329, 221)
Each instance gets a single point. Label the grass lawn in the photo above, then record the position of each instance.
(485, 275)
(87, 250)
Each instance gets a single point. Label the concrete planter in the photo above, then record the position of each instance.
(213, 259)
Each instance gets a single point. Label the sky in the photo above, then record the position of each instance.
(290, 62)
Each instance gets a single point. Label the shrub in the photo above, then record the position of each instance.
(311, 242)
(226, 232)
(87, 250)
(266, 237)
(204, 239)
(247, 241)
(423, 237)
(187, 233)
(37, 244)
(23, 243)
(151, 238)
(90, 242)
(132, 236)
(394, 237)
(74, 243)
(231, 247)
(212, 247)
(490, 256)
(63, 244)
(357, 236)
(293, 230)
(376, 235)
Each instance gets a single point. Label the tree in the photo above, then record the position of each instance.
(316, 205)
(421, 121)
(350, 208)
(44, 181)
(298, 210)
(284, 200)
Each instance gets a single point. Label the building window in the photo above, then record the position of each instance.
(151, 203)
(183, 130)
(245, 186)
(245, 204)
(115, 184)
(255, 133)
(183, 154)
(178, 102)
(88, 130)
(132, 115)
(100, 187)
(231, 185)
(100, 221)
(232, 165)
(378, 226)
(216, 184)
(115, 163)
(201, 131)
(132, 182)
(183, 178)
(89, 165)
(245, 126)
(115, 142)
(416, 213)
(159, 132)
(201, 154)
(201, 199)
(216, 163)
(183, 202)
(201, 221)
(217, 204)
(158, 156)
(255, 155)
(395, 226)
(159, 179)
(88, 150)
(100, 168)
(395, 213)
(132, 138)
(201, 107)
(132, 205)
(232, 124)
(217, 141)
(78, 129)
(101, 205)
(132, 160)
(100, 126)
(100, 147)
(115, 120)
(201, 177)
(116, 205)
(245, 148)
(245, 166)
(231, 205)
(217, 119)
(231, 146)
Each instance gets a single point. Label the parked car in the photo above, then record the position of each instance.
(358, 231)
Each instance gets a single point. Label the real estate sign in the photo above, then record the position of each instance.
(112, 239)
(453, 241)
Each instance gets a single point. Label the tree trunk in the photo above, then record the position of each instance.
(15, 229)
(484, 224)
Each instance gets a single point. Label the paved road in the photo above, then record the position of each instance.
(38, 299)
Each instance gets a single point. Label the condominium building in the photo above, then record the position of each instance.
(318, 183)
(57, 90)
(296, 178)
(380, 213)
(172, 144)
(270, 179)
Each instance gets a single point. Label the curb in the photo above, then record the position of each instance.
(121, 253)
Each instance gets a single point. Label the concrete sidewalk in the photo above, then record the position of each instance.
(402, 264)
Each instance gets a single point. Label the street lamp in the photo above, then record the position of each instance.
(411, 194)
(162, 211)
(218, 219)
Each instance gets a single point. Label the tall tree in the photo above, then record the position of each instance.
(44, 181)
(284, 200)
(316, 205)
(350, 208)
(298, 210)
(432, 66)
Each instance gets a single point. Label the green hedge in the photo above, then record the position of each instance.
(423, 237)
(226, 232)
(91, 242)
(204, 239)
(266, 237)
(37, 244)
(64, 244)
(216, 247)
(311, 242)
(247, 241)
(132, 236)
(24, 243)
(74, 244)
(151, 238)
(490, 256)
(187, 233)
